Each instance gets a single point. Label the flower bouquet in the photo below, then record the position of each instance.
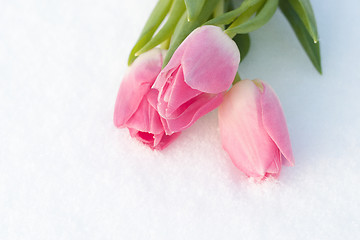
(189, 66)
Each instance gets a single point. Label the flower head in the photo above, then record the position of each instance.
(135, 106)
(195, 79)
(253, 129)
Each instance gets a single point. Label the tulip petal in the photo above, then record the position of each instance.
(136, 83)
(210, 60)
(172, 66)
(242, 132)
(275, 166)
(275, 123)
(145, 119)
(154, 141)
(180, 93)
(145, 137)
(191, 111)
(196, 77)
(146, 126)
(161, 79)
(162, 141)
(152, 97)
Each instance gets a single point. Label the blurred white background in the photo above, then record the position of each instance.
(67, 173)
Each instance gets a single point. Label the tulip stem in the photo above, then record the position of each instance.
(165, 44)
(230, 34)
(219, 10)
(237, 78)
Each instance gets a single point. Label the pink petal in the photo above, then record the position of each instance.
(162, 78)
(136, 83)
(152, 97)
(170, 68)
(154, 141)
(164, 140)
(191, 111)
(243, 134)
(145, 125)
(193, 82)
(210, 60)
(145, 137)
(275, 124)
(145, 119)
(179, 93)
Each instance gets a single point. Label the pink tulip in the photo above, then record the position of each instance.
(194, 81)
(253, 129)
(133, 108)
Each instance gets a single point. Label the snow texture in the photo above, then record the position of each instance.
(67, 173)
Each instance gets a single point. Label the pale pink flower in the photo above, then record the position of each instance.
(133, 108)
(253, 129)
(195, 79)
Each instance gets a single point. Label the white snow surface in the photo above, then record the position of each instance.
(67, 173)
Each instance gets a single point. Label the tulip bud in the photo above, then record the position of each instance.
(136, 102)
(253, 129)
(194, 81)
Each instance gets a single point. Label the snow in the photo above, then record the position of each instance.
(67, 173)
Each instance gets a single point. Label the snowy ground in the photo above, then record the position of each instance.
(67, 173)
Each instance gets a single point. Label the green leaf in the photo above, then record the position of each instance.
(157, 16)
(236, 79)
(247, 14)
(229, 17)
(184, 27)
(243, 43)
(219, 9)
(176, 11)
(228, 6)
(193, 8)
(311, 48)
(305, 12)
(242, 40)
(258, 21)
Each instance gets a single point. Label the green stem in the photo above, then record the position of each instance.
(264, 15)
(219, 10)
(230, 16)
(176, 11)
(156, 17)
(165, 44)
(247, 14)
(184, 28)
(237, 79)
